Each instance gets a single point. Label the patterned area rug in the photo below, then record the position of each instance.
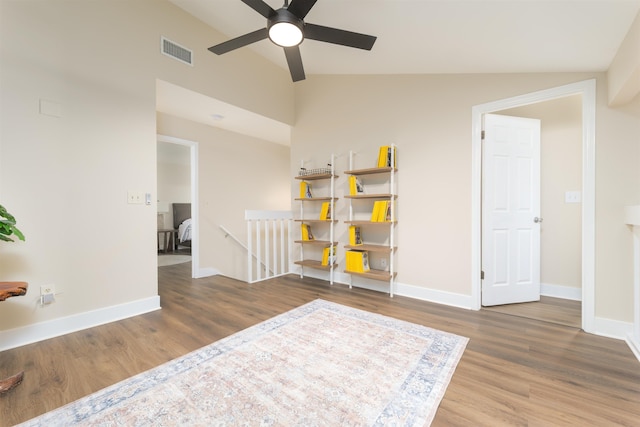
(322, 364)
(164, 260)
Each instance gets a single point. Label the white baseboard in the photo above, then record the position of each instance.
(634, 345)
(206, 272)
(44, 330)
(410, 291)
(612, 328)
(343, 279)
(560, 291)
(434, 295)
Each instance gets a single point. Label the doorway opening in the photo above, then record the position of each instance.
(586, 90)
(175, 194)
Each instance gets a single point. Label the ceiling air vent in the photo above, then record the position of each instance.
(176, 51)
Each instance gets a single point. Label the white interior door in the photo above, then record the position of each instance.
(510, 210)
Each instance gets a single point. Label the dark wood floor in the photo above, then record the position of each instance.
(555, 310)
(514, 372)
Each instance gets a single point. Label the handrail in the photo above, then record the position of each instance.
(230, 234)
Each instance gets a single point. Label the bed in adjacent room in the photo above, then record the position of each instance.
(182, 223)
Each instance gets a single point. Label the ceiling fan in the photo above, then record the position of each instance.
(286, 28)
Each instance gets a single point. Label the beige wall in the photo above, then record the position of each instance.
(66, 178)
(236, 172)
(429, 118)
(561, 171)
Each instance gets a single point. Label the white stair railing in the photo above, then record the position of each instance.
(269, 232)
(228, 233)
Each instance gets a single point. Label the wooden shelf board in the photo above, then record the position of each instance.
(371, 248)
(371, 196)
(314, 221)
(373, 274)
(371, 222)
(370, 171)
(315, 199)
(315, 176)
(315, 242)
(314, 264)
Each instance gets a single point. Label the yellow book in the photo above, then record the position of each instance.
(355, 262)
(359, 261)
(388, 216)
(325, 256)
(384, 211)
(325, 211)
(328, 255)
(305, 190)
(355, 235)
(364, 262)
(352, 185)
(349, 259)
(376, 211)
(394, 157)
(355, 186)
(382, 156)
(306, 232)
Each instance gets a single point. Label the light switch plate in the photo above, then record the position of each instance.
(572, 197)
(135, 197)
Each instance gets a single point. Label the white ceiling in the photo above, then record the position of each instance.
(444, 36)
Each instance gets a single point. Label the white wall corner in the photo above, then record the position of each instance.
(623, 76)
(65, 325)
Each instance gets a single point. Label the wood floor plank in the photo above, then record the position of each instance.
(516, 371)
(555, 310)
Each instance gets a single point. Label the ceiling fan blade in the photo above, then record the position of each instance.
(260, 6)
(241, 41)
(336, 36)
(295, 63)
(300, 8)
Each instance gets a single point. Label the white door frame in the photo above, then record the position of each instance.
(195, 225)
(587, 89)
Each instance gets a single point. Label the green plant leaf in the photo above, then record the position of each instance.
(8, 226)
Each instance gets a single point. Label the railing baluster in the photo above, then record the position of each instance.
(276, 251)
(249, 252)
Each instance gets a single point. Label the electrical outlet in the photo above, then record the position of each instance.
(47, 294)
(47, 290)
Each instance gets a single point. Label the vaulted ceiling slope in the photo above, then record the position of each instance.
(445, 36)
(418, 37)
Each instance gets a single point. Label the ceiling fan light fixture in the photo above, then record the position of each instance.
(285, 29)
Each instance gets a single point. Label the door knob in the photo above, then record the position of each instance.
(537, 220)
